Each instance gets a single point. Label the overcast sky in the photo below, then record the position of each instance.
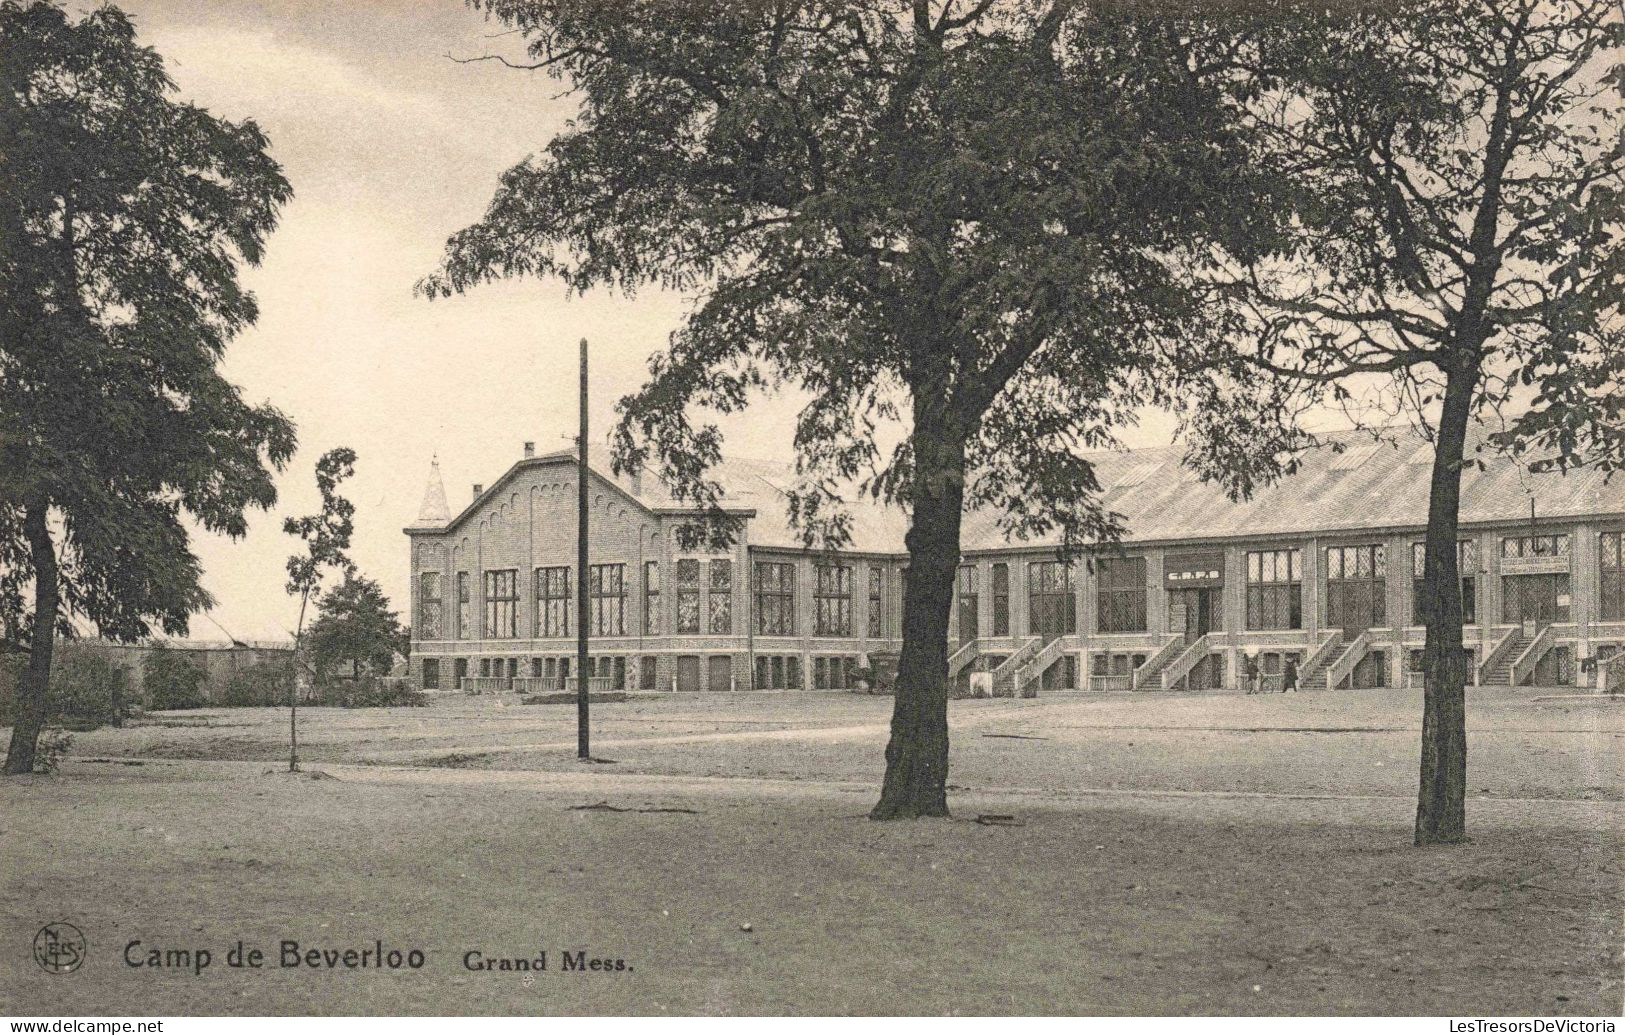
(390, 147)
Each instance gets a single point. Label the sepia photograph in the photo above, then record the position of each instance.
(812, 508)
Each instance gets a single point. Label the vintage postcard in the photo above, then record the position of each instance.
(865, 508)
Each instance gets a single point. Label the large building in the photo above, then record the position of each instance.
(1320, 570)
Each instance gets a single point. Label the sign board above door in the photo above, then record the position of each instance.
(1193, 570)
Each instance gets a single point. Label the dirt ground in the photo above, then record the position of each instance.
(1164, 855)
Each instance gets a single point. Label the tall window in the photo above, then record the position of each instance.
(1356, 587)
(688, 596)
(651, 600)
(429, 605)
(1275, 589)
(1052, 608)
(877, 613)
(502, 604)
(1466, 568)
(552, 601)
(606, 593)
(1001, 599)
(775, 593)
(721, 597)
(1120, 599)
(1612, 562)
(1535, 546)
(832, 600)
(465, 601)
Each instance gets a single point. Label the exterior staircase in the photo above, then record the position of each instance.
(1029, 674)
(1145, 677)
(1496, 668)
(1343, 667)
(963, 658)
(1524, 662)
(1315, 663)
(1181, 666)
(1004, 677)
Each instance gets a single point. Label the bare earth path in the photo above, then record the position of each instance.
(1165, 855)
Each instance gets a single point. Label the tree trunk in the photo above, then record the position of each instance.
(916, 781)
(1441, 810)
(36, 679)
(293, 688)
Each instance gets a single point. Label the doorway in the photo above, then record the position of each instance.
(1194, 613)
(688, 673)
(968, 603)
(1540, 599)
(721, 674)
(1356, 588)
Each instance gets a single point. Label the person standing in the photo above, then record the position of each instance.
(1289, 678)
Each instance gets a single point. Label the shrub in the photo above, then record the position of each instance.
(87, 690)
(172, 681)
(11, 670)
(48, 752)
(371, 692)
(257, 686)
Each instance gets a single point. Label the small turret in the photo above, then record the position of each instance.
(434, 510)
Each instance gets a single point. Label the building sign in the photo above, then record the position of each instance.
(1534, 565)
(1193, 570)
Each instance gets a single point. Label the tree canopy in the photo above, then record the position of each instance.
(355, 626)
(969, 221)
(971, 215)
(125, 216)
(1456, 169)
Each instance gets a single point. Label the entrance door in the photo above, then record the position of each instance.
(968, 603)
(1535, 598)
(688, 673)
(1356, 588)
(721, 674)
(967, 619)
(1195, 613)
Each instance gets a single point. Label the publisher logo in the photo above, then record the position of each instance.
(59, 948)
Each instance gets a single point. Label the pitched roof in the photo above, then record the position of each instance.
(1349, 482)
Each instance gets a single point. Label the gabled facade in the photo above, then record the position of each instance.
(1315, 576)
(494, 595)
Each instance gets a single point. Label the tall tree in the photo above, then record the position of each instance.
(354, 624)
(124, 218)
(326, 535)
(963, 218)
(1457, 169)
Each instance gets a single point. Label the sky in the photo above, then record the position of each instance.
(391, 146)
